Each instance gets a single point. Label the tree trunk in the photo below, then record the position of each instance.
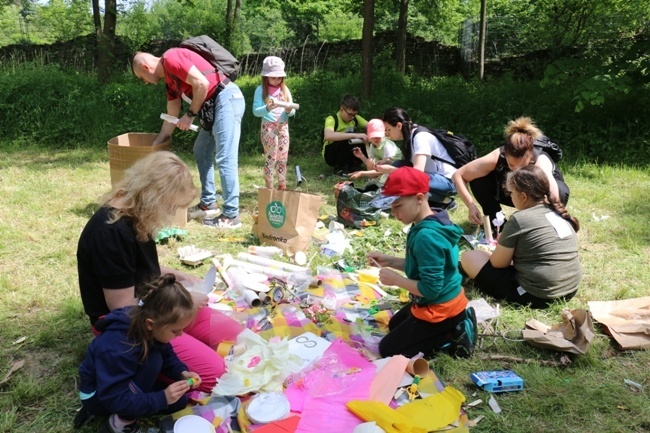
(400, 41)
(106, 43)
(481, 40)
(227, 39)
(97, 19)
(366, 48)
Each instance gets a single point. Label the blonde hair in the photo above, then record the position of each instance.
(151, 192)
(520, 134)
(265, 89)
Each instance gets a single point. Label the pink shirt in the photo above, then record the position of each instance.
(177, 62)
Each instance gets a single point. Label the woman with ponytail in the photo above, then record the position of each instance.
(487, 174)
(536, 259)
(424, 152)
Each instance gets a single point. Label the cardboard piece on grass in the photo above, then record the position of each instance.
(573, 334)
(286, 219)
(627, 321)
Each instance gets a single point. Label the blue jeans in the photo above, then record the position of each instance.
(440, 187)
(221, 147)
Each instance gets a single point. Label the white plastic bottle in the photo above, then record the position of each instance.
(266, 251)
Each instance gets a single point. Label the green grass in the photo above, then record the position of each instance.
(47, 196)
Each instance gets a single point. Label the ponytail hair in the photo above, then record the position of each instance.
(532, 180)
(395, 115)
(163, 300)
(520, 134)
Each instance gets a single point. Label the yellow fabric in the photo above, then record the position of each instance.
(435, 411)
(385, 417)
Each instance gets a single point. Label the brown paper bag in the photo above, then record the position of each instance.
(286, 219)
(573, 334)
(627, 321)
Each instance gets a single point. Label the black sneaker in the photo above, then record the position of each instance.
(82, 418)
(465, 334)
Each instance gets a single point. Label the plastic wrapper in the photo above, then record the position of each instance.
(325, 376)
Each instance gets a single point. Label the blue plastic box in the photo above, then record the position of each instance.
(497, 381)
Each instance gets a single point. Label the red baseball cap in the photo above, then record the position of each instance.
(406, 181)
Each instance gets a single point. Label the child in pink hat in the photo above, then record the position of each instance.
(274, 131)
(380, 149)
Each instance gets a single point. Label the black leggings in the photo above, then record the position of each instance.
(338, 154)
(488, 192)
(408, 335)
(502, 284)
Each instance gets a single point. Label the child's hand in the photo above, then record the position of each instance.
(192, 379)
(358, 153)
(270, 104)
(175, 391)
(388, 277)
(378, 259)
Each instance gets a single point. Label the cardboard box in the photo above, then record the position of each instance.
(498, 381)
(125, 149)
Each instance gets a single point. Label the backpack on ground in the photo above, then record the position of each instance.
(549, 147)
(218, 56)
(460, 149)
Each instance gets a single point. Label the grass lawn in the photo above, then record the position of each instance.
(46, 198)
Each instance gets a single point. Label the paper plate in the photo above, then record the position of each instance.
(193, 424)
(260, 278)
(256, 286)
(268, 407)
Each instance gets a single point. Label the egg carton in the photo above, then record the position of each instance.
(193, 256)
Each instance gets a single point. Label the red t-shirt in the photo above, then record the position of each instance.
(177, 62)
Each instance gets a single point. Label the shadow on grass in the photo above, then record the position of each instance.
(85, 211)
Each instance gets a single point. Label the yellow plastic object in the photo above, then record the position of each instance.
(388, 419)
(435, 411)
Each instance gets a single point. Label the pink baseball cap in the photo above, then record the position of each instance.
(375, 129)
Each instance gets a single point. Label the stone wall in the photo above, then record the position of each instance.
(423, 57)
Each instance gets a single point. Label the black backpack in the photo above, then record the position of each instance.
(218, 56)
(549, 147)
(459, 148)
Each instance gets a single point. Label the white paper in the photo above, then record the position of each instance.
(308, 346)
(561, 226)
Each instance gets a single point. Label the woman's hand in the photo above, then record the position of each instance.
(474, 215)
(200, 300)
(384, 168)
(356, 175)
